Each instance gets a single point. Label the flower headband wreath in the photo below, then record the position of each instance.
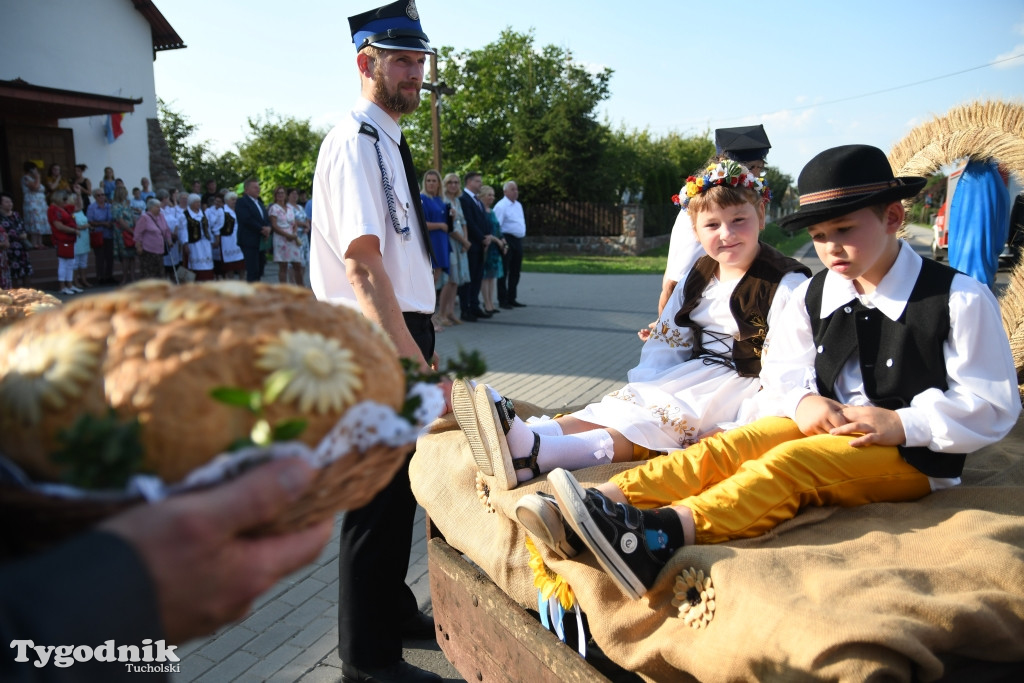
(728, 173)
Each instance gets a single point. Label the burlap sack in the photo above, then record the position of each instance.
(895, 591)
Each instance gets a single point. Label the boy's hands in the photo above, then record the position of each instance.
(878, 426)
(819, 415)
(875, 426)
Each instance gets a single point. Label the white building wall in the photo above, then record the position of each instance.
(104, 47)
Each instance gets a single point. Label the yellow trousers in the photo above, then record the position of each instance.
(743, 482)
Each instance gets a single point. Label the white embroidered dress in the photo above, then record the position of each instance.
(200, 252)
(672, 399)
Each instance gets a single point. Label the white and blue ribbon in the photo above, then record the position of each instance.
(389, 194)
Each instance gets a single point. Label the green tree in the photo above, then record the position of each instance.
(522, 113)
(779, 182)
(194, 159)
(280, 150)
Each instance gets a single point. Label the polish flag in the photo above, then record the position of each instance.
(114, 129)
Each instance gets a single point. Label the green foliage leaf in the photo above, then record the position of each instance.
(100, 452)
(275, 384)
(233, 396)
(289, 429)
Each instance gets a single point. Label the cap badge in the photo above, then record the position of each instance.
(410, 10)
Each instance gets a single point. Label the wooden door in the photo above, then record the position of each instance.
(46, 144)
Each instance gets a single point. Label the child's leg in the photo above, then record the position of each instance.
(670, 478)
(815, 470)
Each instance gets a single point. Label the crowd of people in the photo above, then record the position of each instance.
(178, 235)
(476, 246)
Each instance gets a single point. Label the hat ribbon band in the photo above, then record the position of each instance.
(846, 192)
(393, 33)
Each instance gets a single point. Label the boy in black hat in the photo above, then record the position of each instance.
(369, 249)
(886, 368)
(747, 145)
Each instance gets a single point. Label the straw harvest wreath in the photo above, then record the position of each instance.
(980, 130)
(161, 380)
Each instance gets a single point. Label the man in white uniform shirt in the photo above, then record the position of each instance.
(369, 250)
(513, 229)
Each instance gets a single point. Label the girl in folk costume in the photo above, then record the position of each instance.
(215, 218)
(230, 252)
(82, 246)
(698, 370)
(199, 248)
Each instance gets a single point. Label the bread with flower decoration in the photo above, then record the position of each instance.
(16, 304)
(151, 357)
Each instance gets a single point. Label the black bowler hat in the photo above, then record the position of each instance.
(392, 27)
(844, 179)
(743, 143)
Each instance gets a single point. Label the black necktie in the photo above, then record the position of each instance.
(414, 190)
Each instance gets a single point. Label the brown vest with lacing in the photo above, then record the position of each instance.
(749, 304)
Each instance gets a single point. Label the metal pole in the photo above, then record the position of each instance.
(435, 118)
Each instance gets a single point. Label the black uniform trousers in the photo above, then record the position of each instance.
(508, 283)
(373, 558)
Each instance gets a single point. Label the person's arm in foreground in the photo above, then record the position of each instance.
(176, 570)
(376, 296)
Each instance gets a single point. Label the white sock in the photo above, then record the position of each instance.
(571, 452)
(520, 439)
(546, 427)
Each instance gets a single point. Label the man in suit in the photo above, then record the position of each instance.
(253, 224)
(476, 228)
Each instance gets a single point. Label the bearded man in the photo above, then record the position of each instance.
(369, 250)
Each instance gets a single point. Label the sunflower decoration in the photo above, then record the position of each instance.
(695, 598)
(47, 374)
(483, 491)
(320, 373)
(549, 584)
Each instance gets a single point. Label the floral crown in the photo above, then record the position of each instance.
(727, 173)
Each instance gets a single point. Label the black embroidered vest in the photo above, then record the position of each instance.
(229, 224)
(898, 359)
(197, 229)
(749, 303)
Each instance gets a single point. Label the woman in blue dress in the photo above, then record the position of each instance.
(435, 212)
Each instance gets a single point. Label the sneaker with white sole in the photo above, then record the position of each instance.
(613, 531)
(539, 514)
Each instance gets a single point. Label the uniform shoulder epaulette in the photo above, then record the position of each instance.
(367, 129)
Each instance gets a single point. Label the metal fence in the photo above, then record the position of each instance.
(559, 219)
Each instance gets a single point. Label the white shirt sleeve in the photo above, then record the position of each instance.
(787, 362)
(683, 248)
(982, 402)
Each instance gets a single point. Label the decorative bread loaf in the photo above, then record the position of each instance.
(155, 351)
(16, 304)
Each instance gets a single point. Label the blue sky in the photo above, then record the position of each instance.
(804, 69)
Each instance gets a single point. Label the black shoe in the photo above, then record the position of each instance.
(540, 514)
(507, 307)
(613, 531)
(468, 318)
(480, 313)
(418, 627)
(399, 672)
(516, 304)
(491, 311)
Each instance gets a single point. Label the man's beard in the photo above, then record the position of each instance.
(396, 101)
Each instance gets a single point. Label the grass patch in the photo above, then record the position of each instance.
(649, 263)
